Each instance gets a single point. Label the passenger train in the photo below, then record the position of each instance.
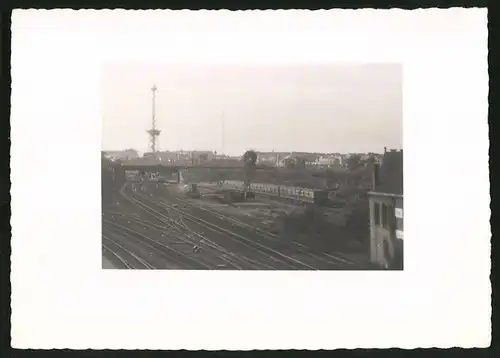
(288, 192)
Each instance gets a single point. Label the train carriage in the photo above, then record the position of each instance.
(289, 192)
(285, 192)
(310, 194)
(257, 187)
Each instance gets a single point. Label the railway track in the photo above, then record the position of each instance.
(196, 239)
(320, 260)
(218, 257)
(225, 241)
(267, 257)
(287, 260)
(229, 259)
(123, 256)
(336, 259)
(278, 259)
(230, 256)
(165, 255)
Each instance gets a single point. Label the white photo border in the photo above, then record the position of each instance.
(61, 298)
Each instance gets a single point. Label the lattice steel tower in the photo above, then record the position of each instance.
(153, 132)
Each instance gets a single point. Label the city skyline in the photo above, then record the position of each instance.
(233, 108)
(187, 150)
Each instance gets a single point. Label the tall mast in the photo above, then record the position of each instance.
(153, 132)
(223, 134)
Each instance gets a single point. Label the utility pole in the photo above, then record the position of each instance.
(223, 134)
(153, 132)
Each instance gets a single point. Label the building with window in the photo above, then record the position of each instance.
(386, 211)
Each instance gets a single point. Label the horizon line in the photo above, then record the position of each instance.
(256, 150)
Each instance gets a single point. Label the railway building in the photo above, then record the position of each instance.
(386, 211)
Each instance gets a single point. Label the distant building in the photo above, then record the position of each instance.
(292, 161)
(280, 162)
(167, 156)
(329, 161)
(386, 211)
(186, 157)
(305, 156)
(127, 154)
(267, 158)
(203, 154)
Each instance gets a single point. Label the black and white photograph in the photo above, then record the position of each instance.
(252, 167)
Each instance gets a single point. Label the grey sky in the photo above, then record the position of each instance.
(310, 107)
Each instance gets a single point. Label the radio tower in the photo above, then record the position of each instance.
(153, 132)
(223, 139)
